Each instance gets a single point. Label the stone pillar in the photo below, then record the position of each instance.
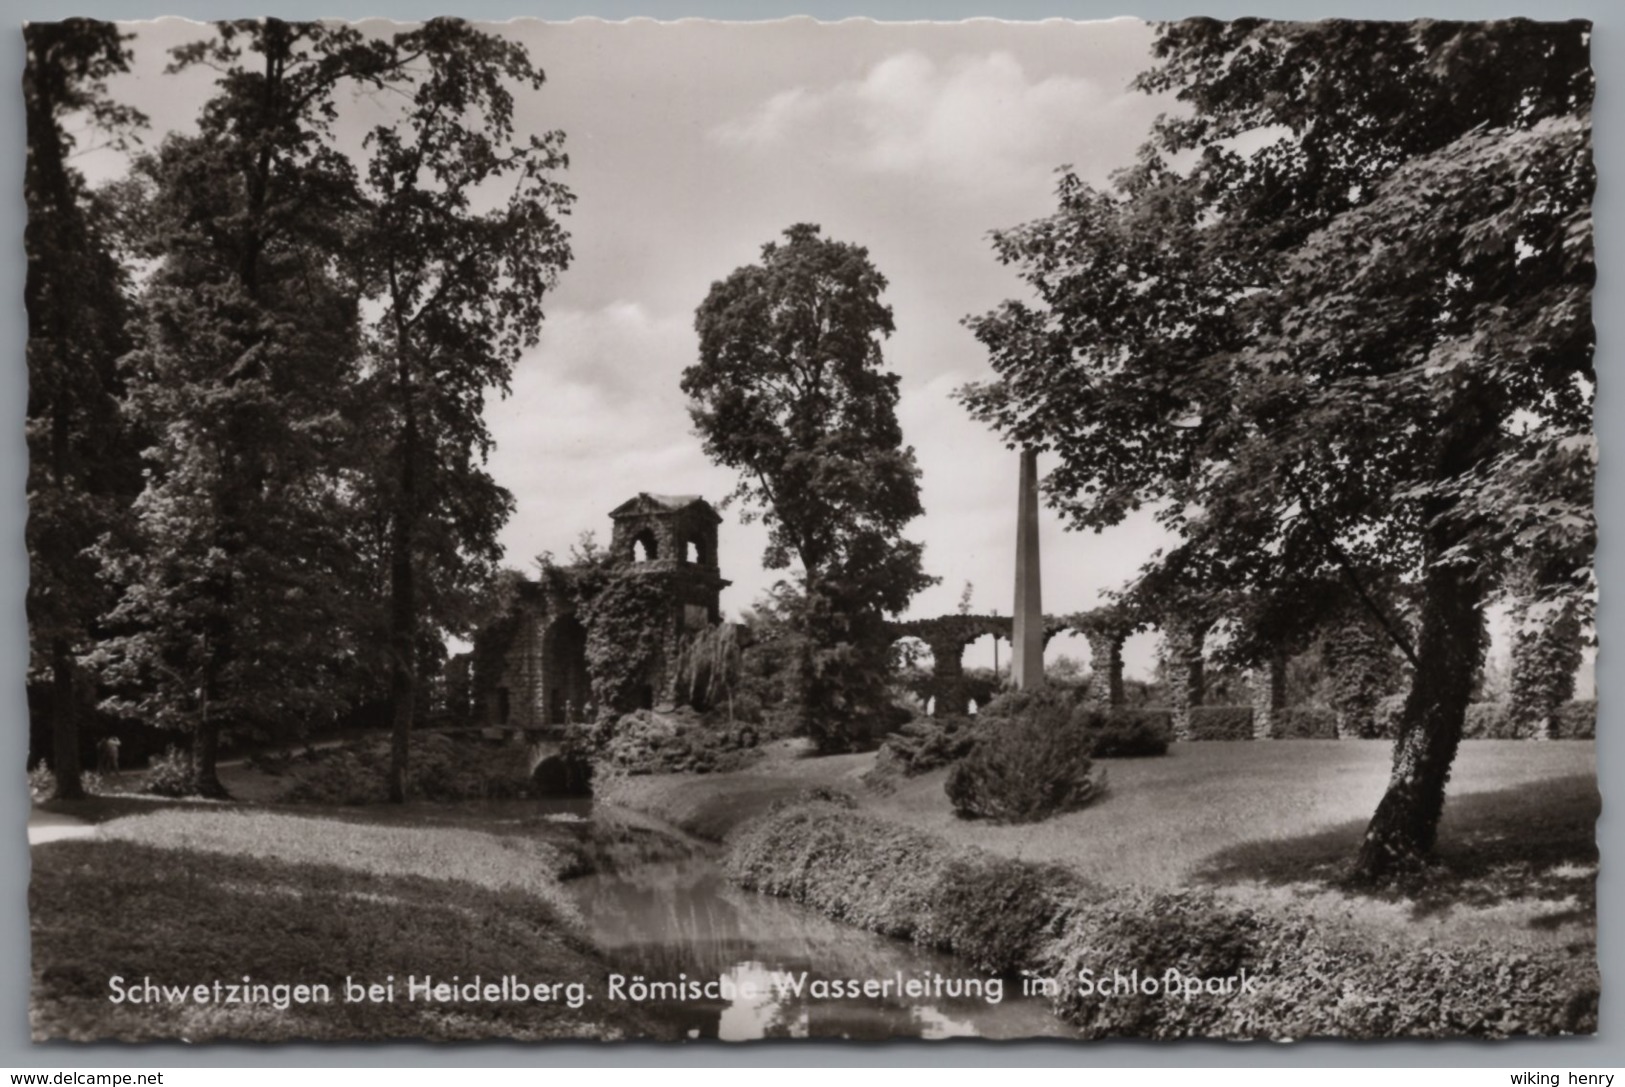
(1106, 662)
(1269, 695)
(947, 657)
(1182, 651)
(1027, 636)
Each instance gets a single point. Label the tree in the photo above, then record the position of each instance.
(235, 607)
(79, 476)
(1361, 349)
(458, 280)
(790, 390)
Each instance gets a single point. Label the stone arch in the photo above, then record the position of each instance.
(913, 650)
(645, 547)
(566, 688)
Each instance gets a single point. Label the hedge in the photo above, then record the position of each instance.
(1304, 723)
(1494, 721)
(1221, 722)
(1575, 721)
(1006, 916)
(1121, 732)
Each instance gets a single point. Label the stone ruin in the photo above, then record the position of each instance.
(539, 678)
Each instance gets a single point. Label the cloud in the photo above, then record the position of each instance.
(973, 122)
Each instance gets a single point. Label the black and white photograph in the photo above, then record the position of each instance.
(705, 531)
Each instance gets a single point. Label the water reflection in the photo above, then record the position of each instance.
(666, 920)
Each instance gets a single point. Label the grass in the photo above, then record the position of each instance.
(187, 895)
(1162, 820)
(453, 854)
(711, 806)
(1265, 824)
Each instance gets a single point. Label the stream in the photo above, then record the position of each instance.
(659, 908)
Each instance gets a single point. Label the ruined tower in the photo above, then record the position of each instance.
(537, 675)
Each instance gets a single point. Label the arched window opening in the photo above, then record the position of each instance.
(645, 548)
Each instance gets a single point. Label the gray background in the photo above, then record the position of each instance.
(1607, 1049)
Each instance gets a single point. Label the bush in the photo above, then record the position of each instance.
(1026, 769)
(923, 745)
(1023, 703)
(1494, 721)
(439, 768)
(1305, 723)
(1575, 721)
(42, 782)
(646, 742)
(996, 913)
(1006, 916)
(1308, 984)
(1123, 733)
(1385, 721)
(170, 774)
(1221, 722)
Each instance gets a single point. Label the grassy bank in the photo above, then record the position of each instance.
(711, 806)
(1009, 915)
(187, 896)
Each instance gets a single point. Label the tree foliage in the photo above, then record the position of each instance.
(457, 275)
(79, 474)
(791, 391)
(1333, 326)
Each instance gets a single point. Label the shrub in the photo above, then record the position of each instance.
(1025, 702)
(923, 745)
(1123, 733)
(1005, 916)
(440, 768)
(1026, 769)
(1305, 723)
(1494, 721)
(42, 782)
(1575, 721)
(997, 913)
(170, 774)
(1385, 721)
(1308, 983)
(646, 742)
(1221, 722)
(849, 866)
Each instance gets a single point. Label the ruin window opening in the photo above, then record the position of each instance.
(645, 548)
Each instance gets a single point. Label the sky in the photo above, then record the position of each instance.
(694, 143)
(691, 145)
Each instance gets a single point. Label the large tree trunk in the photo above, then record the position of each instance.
(206, 758)
(1449, 650)
(403, 614)
(402, 669)
(64, 725)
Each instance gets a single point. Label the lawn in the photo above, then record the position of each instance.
(1262, 822)
(187, 895)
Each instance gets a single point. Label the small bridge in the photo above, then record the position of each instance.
(539, 743)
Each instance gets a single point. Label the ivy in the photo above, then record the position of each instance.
(1360, 670)
(1546, 652)
(627, 624)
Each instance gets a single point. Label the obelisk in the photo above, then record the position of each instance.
(1027, 635)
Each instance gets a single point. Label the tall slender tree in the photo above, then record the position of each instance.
(79, 475)
(459, 242)
(791, 390)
